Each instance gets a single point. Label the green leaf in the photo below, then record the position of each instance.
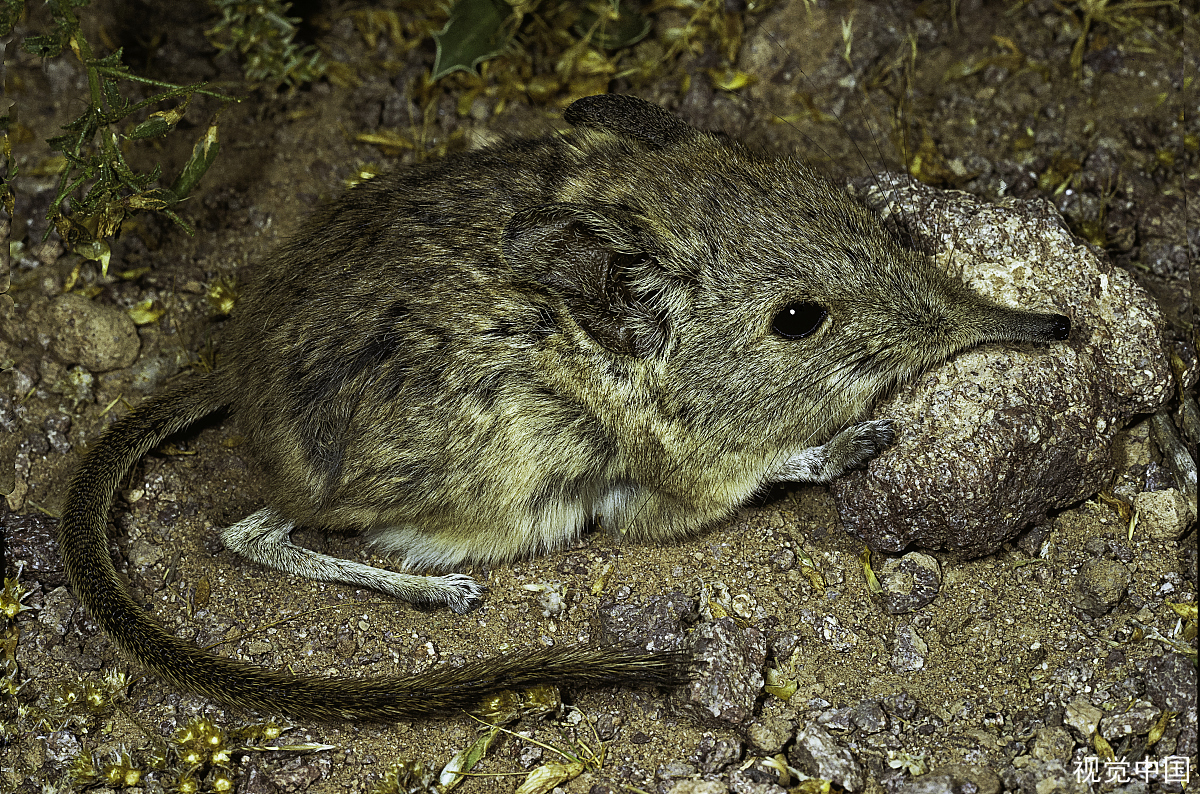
(154, 127)
(187, 227)
(155, 199)
(118, 106)
(474, 33)
(42, 46)
(203, 154)
(161, 122)
(465, 760)
(112, 60)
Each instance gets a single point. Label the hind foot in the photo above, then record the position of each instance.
(264, 537)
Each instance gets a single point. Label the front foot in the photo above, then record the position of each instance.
(857, 444)
(848, 450)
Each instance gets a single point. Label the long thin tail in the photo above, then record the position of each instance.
(83, 541)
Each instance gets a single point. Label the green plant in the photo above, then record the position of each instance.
(262, 32)
(552, 51)
(97, 188)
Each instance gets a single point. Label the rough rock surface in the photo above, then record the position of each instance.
(954, 779)
(729, 662)
(818, 753)
(95, 335)
(1099, 586)
(656, 625)
(998, 436)
(909, 582)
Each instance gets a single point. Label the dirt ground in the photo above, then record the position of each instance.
(846, 86)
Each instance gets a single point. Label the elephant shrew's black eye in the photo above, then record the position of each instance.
(798, 320)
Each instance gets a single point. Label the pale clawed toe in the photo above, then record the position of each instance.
(848, 450)
(856, 445)
(459, 592)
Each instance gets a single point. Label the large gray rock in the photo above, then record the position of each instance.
(96, 336)
(999, 435)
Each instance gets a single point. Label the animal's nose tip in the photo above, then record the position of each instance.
(1060, 327)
